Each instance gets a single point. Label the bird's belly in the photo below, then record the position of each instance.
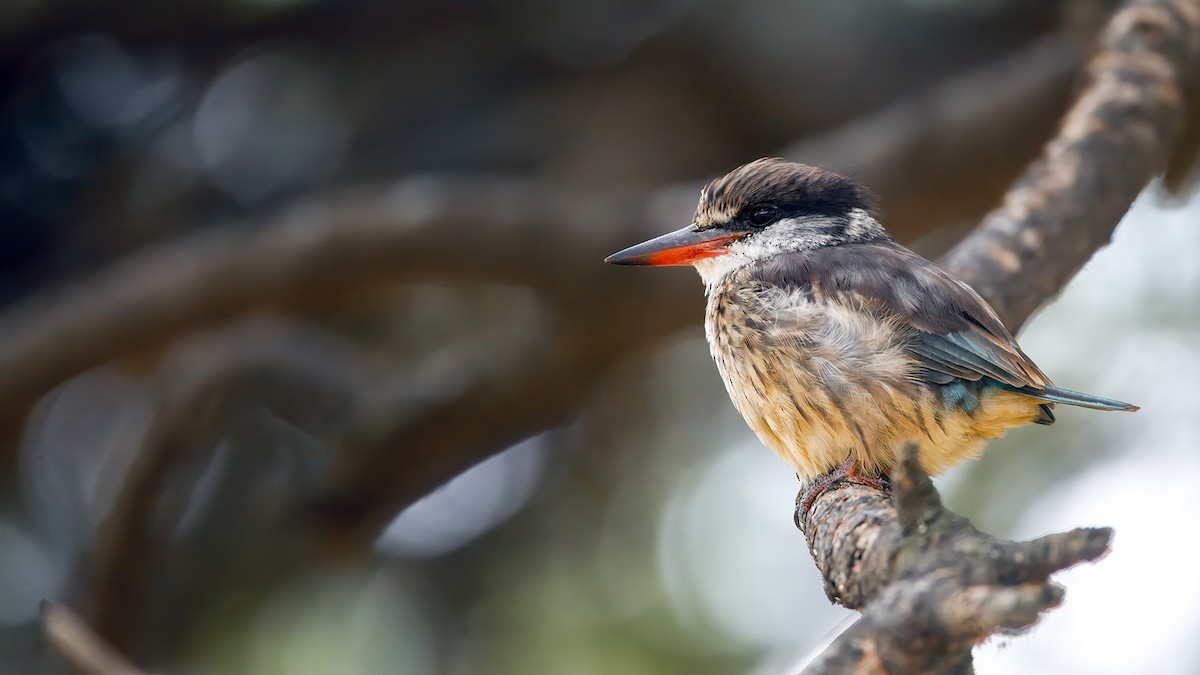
(813, 412)
(814, 409)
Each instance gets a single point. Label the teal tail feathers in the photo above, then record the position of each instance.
(1068, 397)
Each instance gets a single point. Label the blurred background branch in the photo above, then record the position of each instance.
(303, 314)
(80, 644)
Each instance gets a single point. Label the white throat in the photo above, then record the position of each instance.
(714, 270)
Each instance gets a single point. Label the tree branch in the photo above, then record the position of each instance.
(1116, 137)
(930, 585)
(943, 585)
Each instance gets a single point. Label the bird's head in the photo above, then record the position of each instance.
(758, 211)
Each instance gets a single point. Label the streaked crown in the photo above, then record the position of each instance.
(778, 189)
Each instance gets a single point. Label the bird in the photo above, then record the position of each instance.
(838, 345)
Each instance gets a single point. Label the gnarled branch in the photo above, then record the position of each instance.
(948, 585)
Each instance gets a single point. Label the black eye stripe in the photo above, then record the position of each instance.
(757, 216)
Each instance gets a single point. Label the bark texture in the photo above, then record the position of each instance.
(947, 585)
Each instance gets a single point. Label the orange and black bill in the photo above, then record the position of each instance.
(681, 247)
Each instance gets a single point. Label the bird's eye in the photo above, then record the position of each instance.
(761, 216)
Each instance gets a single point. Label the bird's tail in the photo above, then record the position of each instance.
(1056, 395)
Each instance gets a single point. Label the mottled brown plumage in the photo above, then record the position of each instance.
(836, 342)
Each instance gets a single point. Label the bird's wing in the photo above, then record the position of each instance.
(955, 334)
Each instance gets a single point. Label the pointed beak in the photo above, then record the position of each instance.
(681, 247)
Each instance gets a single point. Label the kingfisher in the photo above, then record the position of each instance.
(838, 345)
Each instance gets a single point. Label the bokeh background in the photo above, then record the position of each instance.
(623, 522)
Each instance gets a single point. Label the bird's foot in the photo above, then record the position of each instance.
(881, 482)
(848, 472)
